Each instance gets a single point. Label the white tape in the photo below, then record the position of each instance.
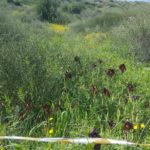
(74, 140)
(69, 140)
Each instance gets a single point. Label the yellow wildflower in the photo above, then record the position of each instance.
(58, 28)
(142, 126)
(95, 36)
(51, 131)
(135, 127)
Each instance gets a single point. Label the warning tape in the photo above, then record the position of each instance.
(74, 140)
(67, 140)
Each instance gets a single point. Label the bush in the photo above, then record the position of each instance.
(73, 8)
(22, 66)
(16, 2)
(49, 10)
(10, 1)
(143, 51)
(139, 36)
(103, 22)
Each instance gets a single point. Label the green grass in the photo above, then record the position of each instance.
(41, 77)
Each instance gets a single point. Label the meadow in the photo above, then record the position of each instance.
(88, 69)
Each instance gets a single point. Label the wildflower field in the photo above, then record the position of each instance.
(75, 80)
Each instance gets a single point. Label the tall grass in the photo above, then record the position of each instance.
(21, 60)
(68, 79)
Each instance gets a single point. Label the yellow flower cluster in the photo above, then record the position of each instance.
(58, 28)
(95, 36)
(139, 126)
(51, 131)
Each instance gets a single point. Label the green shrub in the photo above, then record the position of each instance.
(73, 8)
(22, 65)
(136, 32)
(48, 10)
(10, 1)
(139, 35)
(16, 2)
(103, 22)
